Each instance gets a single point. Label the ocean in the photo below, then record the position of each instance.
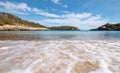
(59, 51)
(60, 35)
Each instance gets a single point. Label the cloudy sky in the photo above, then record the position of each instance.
(85, 14)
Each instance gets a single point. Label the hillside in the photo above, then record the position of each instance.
(11, 22)
(64, 28)
(108, 27)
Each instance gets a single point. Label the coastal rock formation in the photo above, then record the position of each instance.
(11, 22)
(109, 27)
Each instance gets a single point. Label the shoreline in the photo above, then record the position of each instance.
(64, 56)
(20, 28)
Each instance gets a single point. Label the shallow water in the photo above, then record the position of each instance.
(58, 35)
(60, 56)
(59, 51)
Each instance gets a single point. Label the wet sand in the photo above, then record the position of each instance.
(60, 56)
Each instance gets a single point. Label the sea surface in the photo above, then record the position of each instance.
(59, 51)
(58, 35)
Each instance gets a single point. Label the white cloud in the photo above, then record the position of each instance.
(41, 12)
(22, 8)
(81, 20)
(59, 3)
(11, 6)
(56, 1)
(65, 6)
(77, 15)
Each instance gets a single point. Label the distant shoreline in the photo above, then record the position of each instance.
(28, 28)
(19, 28)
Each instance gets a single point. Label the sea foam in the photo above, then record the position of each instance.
(60, 56)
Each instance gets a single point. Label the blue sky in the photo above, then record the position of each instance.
(85, 14)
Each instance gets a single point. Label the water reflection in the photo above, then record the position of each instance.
(51, 35)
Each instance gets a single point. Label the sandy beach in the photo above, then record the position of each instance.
(59, 36)
(20, 27)
(60, 56)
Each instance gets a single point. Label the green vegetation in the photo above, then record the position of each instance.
(109, 27)
(9, 19)
(64, 28)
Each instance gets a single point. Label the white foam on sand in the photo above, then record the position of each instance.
(63, 56)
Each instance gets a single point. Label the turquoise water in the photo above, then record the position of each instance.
(58, 35)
